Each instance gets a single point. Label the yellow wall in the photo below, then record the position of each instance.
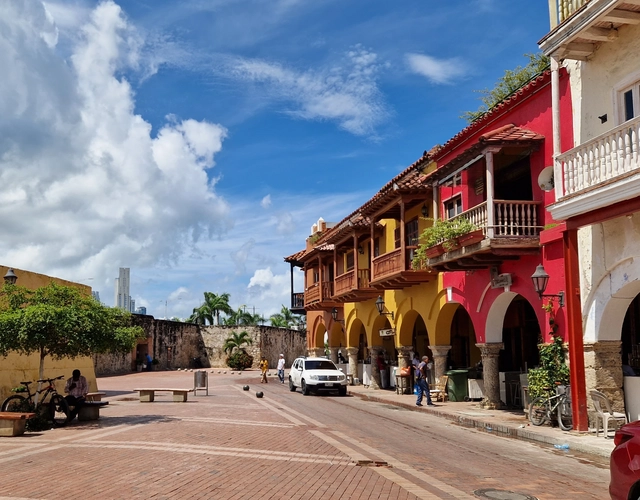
(16, 368)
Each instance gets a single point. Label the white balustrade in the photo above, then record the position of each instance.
(601, 159)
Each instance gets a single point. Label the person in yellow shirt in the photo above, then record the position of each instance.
(264, 368)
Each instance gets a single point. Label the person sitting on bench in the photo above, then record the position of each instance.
(77, 389)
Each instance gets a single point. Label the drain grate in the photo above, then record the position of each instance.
(371, 463)
(494, 494)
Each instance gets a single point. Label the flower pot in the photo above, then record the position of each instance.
(471, 238)
(434, 251)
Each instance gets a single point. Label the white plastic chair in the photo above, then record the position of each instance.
(605, 413)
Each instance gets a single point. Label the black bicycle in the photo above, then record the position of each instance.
(57, 407)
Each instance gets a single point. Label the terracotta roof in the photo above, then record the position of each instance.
(518, 96)
(510, 133)
(295, 257)
(506, 135)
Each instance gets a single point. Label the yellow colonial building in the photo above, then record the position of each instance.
(16, 368)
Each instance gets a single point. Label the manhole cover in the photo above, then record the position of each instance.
(502, 495)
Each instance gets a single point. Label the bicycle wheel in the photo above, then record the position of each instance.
(15, 403)
(564, 415)
(538, 411)
(58, 410)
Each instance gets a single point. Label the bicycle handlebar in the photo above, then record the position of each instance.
(50, 379)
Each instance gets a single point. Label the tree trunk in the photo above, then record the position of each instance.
(40, 376)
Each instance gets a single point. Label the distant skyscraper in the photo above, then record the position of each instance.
(141, 310)
(96, 295)
(122, 297)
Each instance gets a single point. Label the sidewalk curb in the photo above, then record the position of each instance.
(567, 438)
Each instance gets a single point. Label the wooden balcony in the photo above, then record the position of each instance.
(348, 289)
(600, 172)
(389, 272)
(319, 296)
(515, 231)
(297, 303)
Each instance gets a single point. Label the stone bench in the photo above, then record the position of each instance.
(95, 396)
(13, 424)
(148, 395)
(90, 410)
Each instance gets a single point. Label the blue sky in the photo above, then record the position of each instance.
(196, 142)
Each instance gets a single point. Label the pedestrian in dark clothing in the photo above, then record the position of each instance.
(421, 382)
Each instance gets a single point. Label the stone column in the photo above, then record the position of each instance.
(489, 353)
(316, 352)
(352, 354)
(404, 356)
(440, 358)
(603, 372)
(375, 373)
(333, 353)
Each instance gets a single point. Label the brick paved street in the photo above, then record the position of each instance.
(232, 445)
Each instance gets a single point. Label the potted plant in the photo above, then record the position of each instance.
(471, 238)
(154, 363)
(446, 233)
(139, 364)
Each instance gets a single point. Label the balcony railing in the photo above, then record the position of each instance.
(566, 8)
(511, 218)
(346, 282)
(297, 301)
(317, 292)
(389, 263)
(601, 159)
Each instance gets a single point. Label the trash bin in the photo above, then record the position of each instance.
(457, 385)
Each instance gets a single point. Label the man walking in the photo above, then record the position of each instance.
(264, 368)
(421, 382)
(280, 368)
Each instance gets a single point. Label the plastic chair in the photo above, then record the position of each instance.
(604, 412)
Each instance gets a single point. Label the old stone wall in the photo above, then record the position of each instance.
(178, 345)
(267, 341)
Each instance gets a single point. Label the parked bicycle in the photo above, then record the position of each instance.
(555, 406)
(57, 407)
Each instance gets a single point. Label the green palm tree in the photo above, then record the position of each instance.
(211, 308)
(286, 319)
(215, 304)
(236, 341)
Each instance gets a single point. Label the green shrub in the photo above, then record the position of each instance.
(240, 360)
(553, 370)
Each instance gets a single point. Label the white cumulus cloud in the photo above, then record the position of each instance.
(438, 71)
(84, 185)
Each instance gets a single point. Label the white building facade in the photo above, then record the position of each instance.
(597, 183)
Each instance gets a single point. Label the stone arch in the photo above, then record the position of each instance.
(443, 324)
(353, 333)
(380, 322)
(336, 335)
(495, 318)
(318, 334)
(404, 335)
(609, 301)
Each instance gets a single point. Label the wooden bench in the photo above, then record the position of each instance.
(13, 424)
(90, 410)
(148, 395)
(95, 396)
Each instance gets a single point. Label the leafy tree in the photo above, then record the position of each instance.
(236, 341)
(243, 317)
(511, 81)
(60, 322)
(211, 308)
(286, 319)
